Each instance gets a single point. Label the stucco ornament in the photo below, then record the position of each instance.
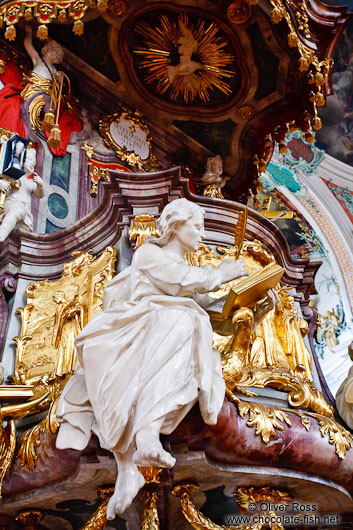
(148, 357)
(344, 396)
(17, 211)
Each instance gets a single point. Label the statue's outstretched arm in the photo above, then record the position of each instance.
(39, 191)
(30, 49)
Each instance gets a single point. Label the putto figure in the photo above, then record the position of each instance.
(213, 178)
(18, 205)
(148, 357)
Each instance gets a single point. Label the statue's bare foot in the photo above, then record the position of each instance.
(153, 455)
(128, 484)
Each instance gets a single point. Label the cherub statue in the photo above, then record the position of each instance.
(187, 46)
(148, 357)
(213, 179)
(344, 395)
(330, 323)
(44, 71)
(17, 211)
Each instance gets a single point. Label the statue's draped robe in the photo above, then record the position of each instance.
(147, 356)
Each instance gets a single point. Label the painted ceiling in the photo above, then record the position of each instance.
(209, 80)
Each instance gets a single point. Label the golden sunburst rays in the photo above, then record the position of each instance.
(184, 59)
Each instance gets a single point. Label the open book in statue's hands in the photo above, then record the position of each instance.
(247, 293)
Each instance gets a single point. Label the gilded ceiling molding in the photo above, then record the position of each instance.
(45, 12)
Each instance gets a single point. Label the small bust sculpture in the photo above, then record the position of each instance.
(212, 179)
(148, 357)
(18, 204)
(344, 395)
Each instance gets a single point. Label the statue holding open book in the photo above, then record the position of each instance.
(148, 357)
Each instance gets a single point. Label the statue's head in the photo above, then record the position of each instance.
(214, 165)
(176, 214)
(52, 52)
(187, 43)
(288, 301)
(30, 160)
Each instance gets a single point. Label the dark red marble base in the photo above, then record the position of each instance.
(231, 441)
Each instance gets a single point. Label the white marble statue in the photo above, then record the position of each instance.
(344, 395)
(18, 204)
(147, 358)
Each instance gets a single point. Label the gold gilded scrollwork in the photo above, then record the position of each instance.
(98, 519)
(301, 391)
(30, 439)
(143, 226)
(44, 12)
(35, 109)
(7, 449)
(149, 498)
(274, 353)
(265, 419)
(246, 495)
(149, 511)
(338, 435)
(197, 519)
(150, 163)
(30, 518)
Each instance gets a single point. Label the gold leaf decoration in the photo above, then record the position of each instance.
(7, 449)
(31, 439)
(246, 495)
(203, 62)
(197, 519)
(338, 435)
(265, 419)
(240, 231)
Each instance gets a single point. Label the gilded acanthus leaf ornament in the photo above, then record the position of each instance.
(31, 438)
(245, 495)
(149, 511)
(98, 519)
(7, 449)
(265, 419)
(30, 518)
(197, 519)
(338, 435)
(149, 498)
(203, 63)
